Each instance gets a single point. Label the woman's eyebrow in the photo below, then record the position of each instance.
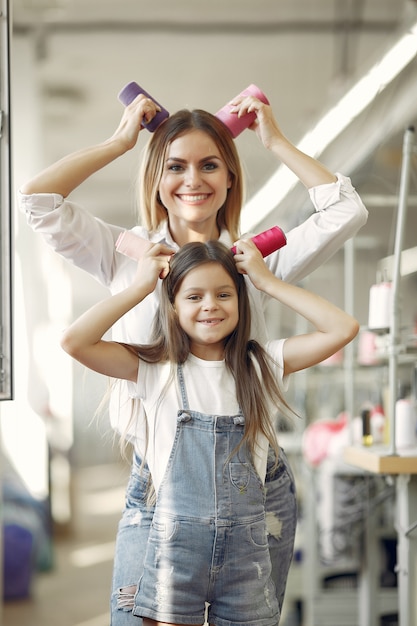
(203, 160)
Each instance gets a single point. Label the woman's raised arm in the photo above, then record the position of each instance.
(69, 172)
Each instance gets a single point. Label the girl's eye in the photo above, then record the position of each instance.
(223, 296)
(194, 298)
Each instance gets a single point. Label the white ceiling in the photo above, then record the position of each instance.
(303, 54)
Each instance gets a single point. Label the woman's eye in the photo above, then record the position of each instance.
(210, 166)
(175, 168)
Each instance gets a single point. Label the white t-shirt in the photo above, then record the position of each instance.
(210, 389)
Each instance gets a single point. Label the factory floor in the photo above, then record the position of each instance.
(76, 591)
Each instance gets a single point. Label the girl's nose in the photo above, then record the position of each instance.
(209, 303)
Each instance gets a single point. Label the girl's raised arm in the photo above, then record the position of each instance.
(83, 340)
(334, 328)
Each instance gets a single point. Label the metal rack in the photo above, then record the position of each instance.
(389, 462)
(395, 346)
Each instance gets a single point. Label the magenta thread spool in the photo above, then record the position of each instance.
(268, 241)
(236, 124)
(129, 93)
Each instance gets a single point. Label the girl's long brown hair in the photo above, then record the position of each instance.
(250, 365)
(151, 211)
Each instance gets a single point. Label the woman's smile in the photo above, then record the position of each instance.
(194, 198)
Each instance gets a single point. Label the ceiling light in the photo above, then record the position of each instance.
(331, 125)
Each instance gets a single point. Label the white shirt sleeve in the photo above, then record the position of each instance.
(73, 232)
(340, 213)
(88, 242)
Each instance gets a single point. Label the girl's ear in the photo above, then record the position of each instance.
(229, 181)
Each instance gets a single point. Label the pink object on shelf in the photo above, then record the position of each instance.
(268, 241)
(236, 124)
(318, 436)
(129, 93)
(367, 348)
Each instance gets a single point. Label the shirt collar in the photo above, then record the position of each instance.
(162, 235)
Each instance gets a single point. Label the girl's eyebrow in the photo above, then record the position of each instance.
(219, 288)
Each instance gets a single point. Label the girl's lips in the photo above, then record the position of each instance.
(210, 321)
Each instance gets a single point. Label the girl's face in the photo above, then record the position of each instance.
(207, 309)
(194, 183)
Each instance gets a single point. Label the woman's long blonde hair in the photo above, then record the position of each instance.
(250, 365)
(151, 210)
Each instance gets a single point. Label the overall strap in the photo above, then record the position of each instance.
(181, 382)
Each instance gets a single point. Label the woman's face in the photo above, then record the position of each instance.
(194, 182)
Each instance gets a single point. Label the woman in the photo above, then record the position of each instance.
(191, 190)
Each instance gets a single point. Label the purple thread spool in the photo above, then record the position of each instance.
(236, 124)
(268, 241)
(129, 93)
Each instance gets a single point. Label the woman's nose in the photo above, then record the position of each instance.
(193, 178)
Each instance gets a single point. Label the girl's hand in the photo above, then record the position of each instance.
(249, 261)
(152, 265)
(265, 125)
(140, 109)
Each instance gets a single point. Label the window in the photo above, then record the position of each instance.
(6, 378)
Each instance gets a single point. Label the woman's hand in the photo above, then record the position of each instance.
(139, 110)
(265, 125)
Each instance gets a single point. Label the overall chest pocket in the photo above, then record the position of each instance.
(239, 474)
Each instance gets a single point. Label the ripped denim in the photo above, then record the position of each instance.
(134, 526)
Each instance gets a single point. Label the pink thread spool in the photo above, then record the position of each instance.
(129, 93)
(268, 241)
(236, 124)
(132, 245)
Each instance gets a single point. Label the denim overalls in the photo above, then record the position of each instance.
(208, 539)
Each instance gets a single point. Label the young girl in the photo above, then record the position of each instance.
(191, 190)
(207, 392)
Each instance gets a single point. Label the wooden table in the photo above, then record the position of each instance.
(403, 468)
